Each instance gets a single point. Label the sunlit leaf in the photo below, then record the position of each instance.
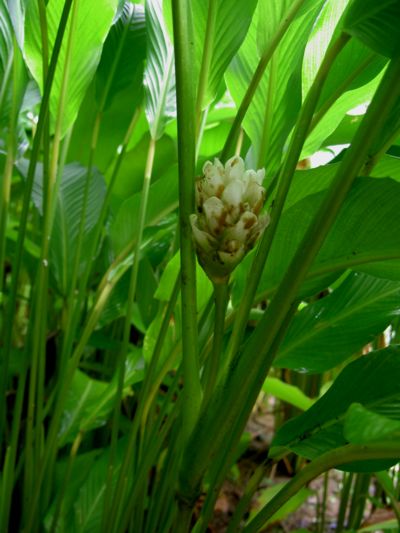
(159, 76)
(94, 19)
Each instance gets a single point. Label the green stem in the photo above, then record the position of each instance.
(206, 58)
(74, 304)
(11, 153)
(344, 500)
(44, 108)
(184, 57)
(248, 373)
(213, 366)
(258, 74)
(131, 299)
(36, 382)
(331, 459)
(285, 180)
(269, 109)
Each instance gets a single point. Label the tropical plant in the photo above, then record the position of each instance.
(140, 143)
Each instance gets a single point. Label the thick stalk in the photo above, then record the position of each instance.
(331, 459)
(258, 74)
(184, 55)
(285, 180)
(248, 373)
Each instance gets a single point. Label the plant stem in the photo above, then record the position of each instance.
(285, 180)
(44, 108)
(131, 298)
(183, 39)
(331, 459)
(206, 59)
(213, 366)
(344, 500)
(258, 74)
(248, 373)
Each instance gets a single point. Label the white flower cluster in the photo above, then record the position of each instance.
(227, 224)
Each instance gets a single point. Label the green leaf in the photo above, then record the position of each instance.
(90, 401)
(232, 20)
(365, 236)
(277, 100)
(67, 221)
(131, 27)
(376, 24)
(372, 380)
(68, 216)
(89, 504)
(327, 332)
(6, 44)
(163, 198)
(287, 393)
(159, 76)
(362, 426)
(94, 19)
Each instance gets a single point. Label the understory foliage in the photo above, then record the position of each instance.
(199, 219)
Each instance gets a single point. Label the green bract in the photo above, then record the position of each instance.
(228, 221)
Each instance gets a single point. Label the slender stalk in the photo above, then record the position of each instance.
(183, 40)
(344, 500)
(213, 366)
(269, 108)
(285, 180)
(331, 459)
(206, 58)
(258, 74)
(44, 108)
(131, 298)
(11, 153)
(74, 304)
(36, 382)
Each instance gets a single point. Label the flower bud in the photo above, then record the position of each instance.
(227, 224)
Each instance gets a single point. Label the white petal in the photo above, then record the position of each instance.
(254, 195)
(214, 212)
(241, 229)
(234, 168)
(202, 239)
(232, 195)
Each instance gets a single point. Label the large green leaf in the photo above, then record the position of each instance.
(129, 32)
(68, 215)
(89, 500)
(372, 380)
(376, 24)
(90, 401)
(327, 332)
(362, 426)
(163, 198)
(350, 81)
(232, 20)
(366, 235)
(277, 100)
(94, 19)
(159, 76)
